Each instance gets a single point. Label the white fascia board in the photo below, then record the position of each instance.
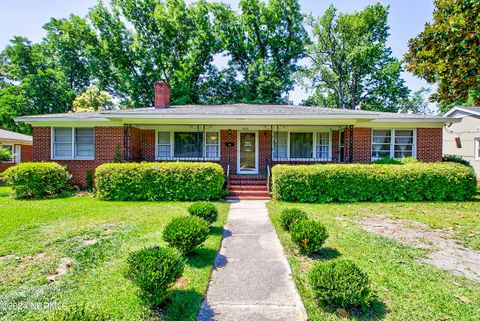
(30, 120)
(454, 109)
(237, 117)
(417, 120)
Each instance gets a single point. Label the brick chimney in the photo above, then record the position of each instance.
(162, 94)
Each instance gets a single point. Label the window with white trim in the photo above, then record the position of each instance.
(9, 148)
(313, 146)
(73, 143)
(188, 145)
(394, 143)
(477, 148)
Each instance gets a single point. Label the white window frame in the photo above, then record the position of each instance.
(477, 148)
(392, 142)
(172, 143)
(314, 158)
(72, 157)
(12, 160)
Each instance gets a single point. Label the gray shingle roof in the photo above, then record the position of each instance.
(236, 109)
(12, 136)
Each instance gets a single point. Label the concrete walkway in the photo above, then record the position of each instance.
(251, 280)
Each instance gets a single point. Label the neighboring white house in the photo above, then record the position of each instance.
(463, 138)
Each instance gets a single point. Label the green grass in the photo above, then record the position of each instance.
(96, 236)
(406, 288)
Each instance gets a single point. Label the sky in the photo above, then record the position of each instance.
(406, 19)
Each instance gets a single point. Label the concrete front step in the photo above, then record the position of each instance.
(249, 193)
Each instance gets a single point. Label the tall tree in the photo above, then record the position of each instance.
(167, 40)
(417, 103)
(264, 44)
(93, 99)
(447, 52)
(350, 63)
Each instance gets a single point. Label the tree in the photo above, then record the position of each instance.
(93, 99)
(417, 103)
(447, 52)
(5, 155)
(350, 63)
(166, 39)
(264, 44)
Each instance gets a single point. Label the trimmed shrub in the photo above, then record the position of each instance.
(341, 284)
(360, 182)
(456, 159)
(154, 270)
(159, 181)
(395, 161)
(204, 210)
(186, 233)
(78, 313)
(290, 216)
(37, 180)
(309, 235)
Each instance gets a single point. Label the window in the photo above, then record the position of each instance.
(323, 146)
(171, 145)
(477, 148)
(73, 143)
(301, 145)
(280, 145)
(393, 143)
(9, 148)
(212, 145)
(164, 148)
(314, 146)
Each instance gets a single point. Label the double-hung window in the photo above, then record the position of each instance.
(9, 149)
(395, 143)
(73, 143)
(477, 148)
(188, 145)
(312, 146)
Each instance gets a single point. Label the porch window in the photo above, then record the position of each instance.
(393, 143)
(9, 148)
(164, 147)
(73, 143)
(212, 145)
(323, 146)
(280, 145)
(188, 144)
(301, 145)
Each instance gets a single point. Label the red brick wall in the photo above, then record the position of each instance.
(335, 141)
(148, 145)
(228, 154)
(362, 145)
(41, 144)
(429, 144)
(26, 153)
(136, 144)
(264, 150)
(108, 143)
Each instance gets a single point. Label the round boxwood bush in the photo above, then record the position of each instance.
(291, 215)
(154, 270)
(186, 233)
(340, 283)
(309, 235)
(205, 210)
(37, 180)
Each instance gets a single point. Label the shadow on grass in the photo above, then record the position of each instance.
(326, 253)
(377, 311)
(181, 305)
(201, 258)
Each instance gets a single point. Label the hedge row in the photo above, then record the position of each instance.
(359, 182)
(159, 181)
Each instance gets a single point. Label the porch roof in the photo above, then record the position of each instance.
(13, 137)
(236, 111)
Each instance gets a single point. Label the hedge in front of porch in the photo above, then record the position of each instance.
(375, 183)
(159, 181)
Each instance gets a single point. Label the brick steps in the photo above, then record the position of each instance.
(248, 188)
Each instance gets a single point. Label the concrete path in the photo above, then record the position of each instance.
(251, 280)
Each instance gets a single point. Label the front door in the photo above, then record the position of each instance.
(247, 160)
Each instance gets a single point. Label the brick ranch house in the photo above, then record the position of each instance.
(245, 139)
(19, 145)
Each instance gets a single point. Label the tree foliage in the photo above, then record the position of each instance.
(350, 62)
(447, 52)
(93, 99)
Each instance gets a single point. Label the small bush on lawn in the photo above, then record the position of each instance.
(456, 159)
(290, 216)
(340, 284)
(186, 233)
(37, 180)
(78, 313)
(154, 270)
(309, 235)
(159, 181)
(204, 210)
(373, 183)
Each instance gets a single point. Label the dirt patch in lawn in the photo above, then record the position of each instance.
(445, 253)
(62, 269)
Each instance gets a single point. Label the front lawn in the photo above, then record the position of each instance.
(66, 252)
(407, 289)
